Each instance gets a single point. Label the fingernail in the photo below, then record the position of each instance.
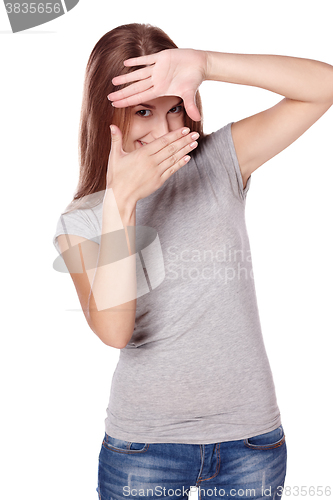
(185, 131)
(195, 135)
(112, 129)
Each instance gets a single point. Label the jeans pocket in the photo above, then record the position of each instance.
(121, 446)
(266, 441)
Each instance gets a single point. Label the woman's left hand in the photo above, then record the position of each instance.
(177, 72)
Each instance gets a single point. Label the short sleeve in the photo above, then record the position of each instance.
(79, 222)
(224, 157)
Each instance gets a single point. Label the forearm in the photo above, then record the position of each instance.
(293, 77)
(112, 302)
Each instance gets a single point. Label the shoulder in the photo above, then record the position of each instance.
(216, 145)
(82, 219)
(218, 150)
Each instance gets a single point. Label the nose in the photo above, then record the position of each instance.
(161, 127)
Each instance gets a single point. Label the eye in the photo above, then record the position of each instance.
(142, 111)
(176, 109)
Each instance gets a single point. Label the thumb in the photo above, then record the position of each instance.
(191, 107)
(116, 141)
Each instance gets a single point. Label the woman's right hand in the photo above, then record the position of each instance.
(135, 175)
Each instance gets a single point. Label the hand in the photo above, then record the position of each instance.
(135, 175)
(177, 72)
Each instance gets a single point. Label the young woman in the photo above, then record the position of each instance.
(157, 247)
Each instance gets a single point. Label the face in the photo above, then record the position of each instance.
(152, 119)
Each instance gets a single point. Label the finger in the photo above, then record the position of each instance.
(128, 92)
(192, 111)
(168, 172)
(176, 150)
(190, 106)
(162, 142)
(139, 74)
(138, 61)
(176, 158)
(135, 99)
(116, 141)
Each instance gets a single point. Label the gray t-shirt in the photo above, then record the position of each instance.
(195, 370)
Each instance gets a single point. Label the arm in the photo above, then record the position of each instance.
(106, 289)
(112, 300)
(306, 84)
(105, 275)
(295, 78)
(130, 177)
(308, 89)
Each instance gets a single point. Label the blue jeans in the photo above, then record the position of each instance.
(250, 468)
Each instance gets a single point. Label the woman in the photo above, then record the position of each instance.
(157, 247)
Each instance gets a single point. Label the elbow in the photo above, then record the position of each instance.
(116, 336)
(116, 345)
(111, 339)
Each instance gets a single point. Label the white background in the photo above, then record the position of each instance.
(55, 373)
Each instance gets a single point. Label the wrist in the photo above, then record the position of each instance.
(209, 65)
(125, 205)
(204, 63)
